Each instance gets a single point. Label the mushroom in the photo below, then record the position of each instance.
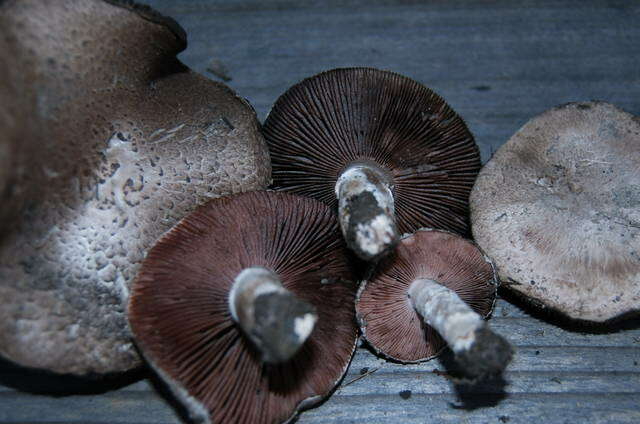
(128, 141)
(434, 291)
(558, 209)
(194, 324)
(384, 150)
(17, 147)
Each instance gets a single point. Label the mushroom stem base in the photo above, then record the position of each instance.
(274, 320)
(366, 211)
(489, 355)
(477, 349)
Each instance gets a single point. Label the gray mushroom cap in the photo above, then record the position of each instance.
(128, 141)
(558, 209)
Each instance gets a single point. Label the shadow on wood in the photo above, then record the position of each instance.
(483, 393)
(42, 382)
(629, 321)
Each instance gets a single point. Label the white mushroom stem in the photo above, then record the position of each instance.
(366, 211)
(275, 321)
(479, 350)
(443, 310)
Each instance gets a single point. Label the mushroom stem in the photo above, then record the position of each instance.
(366, 211)
(477, 348)
(275, 320)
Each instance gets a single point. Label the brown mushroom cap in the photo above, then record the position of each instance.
(558, 209)
(327, 122)
(18, 147)
(129, 141)
(180, 316)
(387, 317)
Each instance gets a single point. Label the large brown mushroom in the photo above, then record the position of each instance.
(232, 272)
(124, 141)
(558, 209)
(384, 150)
(434, 291)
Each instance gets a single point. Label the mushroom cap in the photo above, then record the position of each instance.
(17, 142)
(387, 318)
(344, 116)
(128, 141)
(179, 310)
(558, 209)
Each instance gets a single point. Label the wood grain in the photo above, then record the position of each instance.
(497, 63)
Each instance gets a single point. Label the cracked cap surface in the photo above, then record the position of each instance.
(558, 210)
(127, 145)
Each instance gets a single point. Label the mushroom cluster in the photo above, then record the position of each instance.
(246, 307)
(392, 157)
(132, 213)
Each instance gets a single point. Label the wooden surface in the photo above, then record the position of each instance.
(498, 63)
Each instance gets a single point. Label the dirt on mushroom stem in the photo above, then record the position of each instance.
(275, 321)
(366, 210)
(477, 348)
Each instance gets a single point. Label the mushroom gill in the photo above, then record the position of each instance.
(383, 150)
(189, 328)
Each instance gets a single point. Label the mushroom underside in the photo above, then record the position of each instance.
(418, 156)
(388, 318)
(181, 316)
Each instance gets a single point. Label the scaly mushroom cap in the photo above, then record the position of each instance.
(558, 209)
(180, 316)
(388, 320)
(128, 141)
(344, 116)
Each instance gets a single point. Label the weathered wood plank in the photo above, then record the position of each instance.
(497, 71)
(547, 358)
(382, 393)
(391, 384)
(114, 407)
(512, 409)
(498, 63)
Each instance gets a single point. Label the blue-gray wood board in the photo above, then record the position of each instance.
(497, 63)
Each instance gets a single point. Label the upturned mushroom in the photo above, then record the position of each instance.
(558, 209)
(127, 141)
(226, 317)
(435, 290)
(388, 153)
